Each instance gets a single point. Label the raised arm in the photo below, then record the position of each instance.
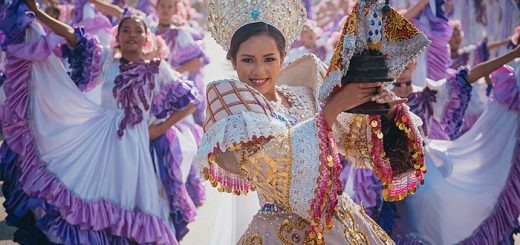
(414, 10)
(485, 68)
(498, 44)
(108, 8)
(54, 25)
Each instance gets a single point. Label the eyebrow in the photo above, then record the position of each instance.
(252, 56)
(128, 27)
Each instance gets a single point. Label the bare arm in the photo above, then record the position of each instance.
(415, 9)
(108, 8)
(58, 27)
(485, 68)
(498, 44)
(157, 130)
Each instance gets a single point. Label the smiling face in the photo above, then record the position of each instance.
(131, 35)
(258, 63)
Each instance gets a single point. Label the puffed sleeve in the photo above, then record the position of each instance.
(172, 92)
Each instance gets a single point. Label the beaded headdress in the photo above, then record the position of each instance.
(225, 17)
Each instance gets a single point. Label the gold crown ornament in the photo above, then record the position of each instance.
(225, 17)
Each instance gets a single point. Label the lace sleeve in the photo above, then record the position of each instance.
(238, 116)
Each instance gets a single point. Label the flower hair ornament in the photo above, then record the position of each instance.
(225, 17)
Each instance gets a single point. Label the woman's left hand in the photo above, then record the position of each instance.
(385, 96)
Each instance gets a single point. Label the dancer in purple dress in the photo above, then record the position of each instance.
(471, 54)
(185, 56)
(78, 172)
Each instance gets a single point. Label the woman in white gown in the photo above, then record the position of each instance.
(76, 172)
(265, 132)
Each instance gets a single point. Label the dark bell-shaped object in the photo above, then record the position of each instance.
(368, 67)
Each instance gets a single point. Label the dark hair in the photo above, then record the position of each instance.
(135, 17)
(250, 30)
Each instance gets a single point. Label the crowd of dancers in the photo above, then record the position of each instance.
(109, 129)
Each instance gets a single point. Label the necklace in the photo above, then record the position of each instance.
(297, 110)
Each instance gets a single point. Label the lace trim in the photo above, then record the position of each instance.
(239, 128)
(306, 156)
(228, 134)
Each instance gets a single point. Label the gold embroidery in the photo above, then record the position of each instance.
(253, 239)
(351, 23)
(398, 28)
(269, 168)
(356, 143)
(285, 227)
(377, 229)
(336, 61)
(352, 234)
(301, 223)
(296, 236)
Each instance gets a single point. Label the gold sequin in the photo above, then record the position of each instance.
(374, 123)
(330, 159)
(212, 158)
(379, 135)
(255, 239)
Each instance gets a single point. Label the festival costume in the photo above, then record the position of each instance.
(288, 154)
(77, 172)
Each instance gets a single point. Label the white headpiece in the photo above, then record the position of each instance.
(225, 17)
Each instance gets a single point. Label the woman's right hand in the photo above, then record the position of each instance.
(350, 96)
